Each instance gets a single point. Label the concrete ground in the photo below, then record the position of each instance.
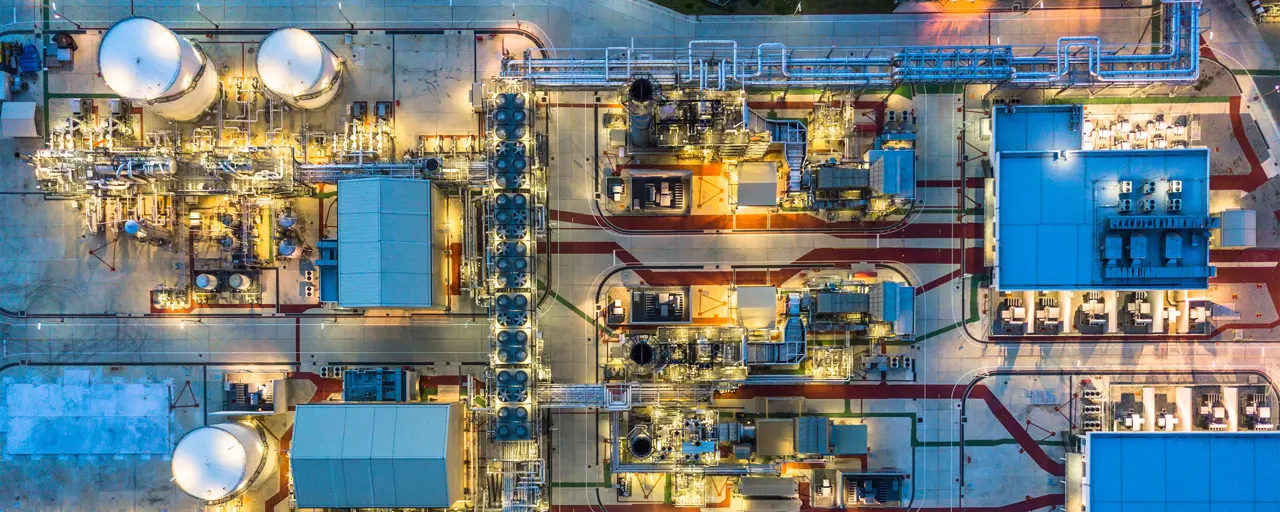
(46, 268)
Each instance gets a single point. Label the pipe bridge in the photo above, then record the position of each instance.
(723, 65)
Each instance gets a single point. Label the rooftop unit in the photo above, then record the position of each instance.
(379, 385)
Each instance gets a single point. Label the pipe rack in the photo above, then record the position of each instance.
(722, 64)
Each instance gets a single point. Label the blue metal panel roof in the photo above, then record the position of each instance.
(1168, 471)
(899, 167)
(1056, 205)
(385, 243)
(1037, 128)
(849, 439)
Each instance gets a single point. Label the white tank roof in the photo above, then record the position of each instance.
(139, 58)
(209, 463)
(291, 61)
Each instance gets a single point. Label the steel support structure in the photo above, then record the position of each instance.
(723, 65)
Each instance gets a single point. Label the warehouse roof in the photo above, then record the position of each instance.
(1077, 220)
(377, 455)
(384, 243)
(1184, 471)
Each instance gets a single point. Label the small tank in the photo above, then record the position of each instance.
(288, 248)
(207, 282)
(240, 282)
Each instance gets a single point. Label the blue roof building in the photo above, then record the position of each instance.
(1073, 219)
(1183, 471)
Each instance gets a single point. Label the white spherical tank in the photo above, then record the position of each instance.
(298, 67)
(222, 460)
(142, 60)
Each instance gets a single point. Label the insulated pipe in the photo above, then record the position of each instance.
(1099, 61)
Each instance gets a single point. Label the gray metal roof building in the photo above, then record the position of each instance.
(389, 251)
(758, 184)
(377, 456)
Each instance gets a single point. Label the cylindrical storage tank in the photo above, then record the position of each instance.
(240, 282)
(222, 460)
(298, 67)
(207, 282)
(143, 61)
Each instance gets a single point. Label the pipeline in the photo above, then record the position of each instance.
(715, 64)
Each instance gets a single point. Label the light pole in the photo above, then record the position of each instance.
(206, 18)
(344, 16)
(53, 7)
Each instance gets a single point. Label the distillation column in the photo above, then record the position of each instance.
(640, 106)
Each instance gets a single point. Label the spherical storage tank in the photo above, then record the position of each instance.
(222, 460)
(298, 67)
(144, 61)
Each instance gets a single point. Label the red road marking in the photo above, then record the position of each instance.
(1256, 176)
(938, 282)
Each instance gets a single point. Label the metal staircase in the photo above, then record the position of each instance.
(794, 137)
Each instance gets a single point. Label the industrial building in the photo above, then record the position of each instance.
(1180, 471)
(381, 222)
(1073, 219)
(378, 456)
(607, 256)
